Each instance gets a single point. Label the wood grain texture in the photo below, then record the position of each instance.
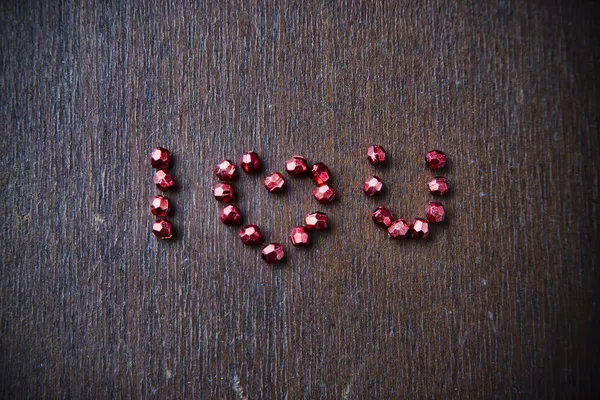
(500, 303)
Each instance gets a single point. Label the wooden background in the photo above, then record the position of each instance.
(501, 302)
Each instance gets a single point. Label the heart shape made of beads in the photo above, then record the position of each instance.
(251, 235)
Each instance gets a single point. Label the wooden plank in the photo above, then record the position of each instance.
(499, 303)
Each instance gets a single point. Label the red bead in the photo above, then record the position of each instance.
(230, 215)
(224, 192)
(160, 158)
(226, 170)
(299, 236)
(435, 159)
(376, 154)
(319, 173)
(250, 162)
(382, 217)
(324, 194)
(435, 212)
(296, 166)
(373, 186)
(419, 229)
(162, 229)
(316, 221)
(399, 229)
(274, 182)
(163, 180)
(438, 186)
(272, 253)
(250, 235)
(159, 206)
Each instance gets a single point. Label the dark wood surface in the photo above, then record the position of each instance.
(501, 302)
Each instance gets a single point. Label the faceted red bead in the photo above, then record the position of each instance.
(419, 229)
(274, 182)
(251, 235)
(224, 192)
(162, 229)
(230, 215)
(159, 206)
(160, 158)
(296, 166)
(399, 229)
(250, 162)
(382, 217)
(272, 253)
(299, 236)
(438, 186)
(435, 212)
(316, 221)
(226, 170)
(324, 194)
(435, 159)
(163, 180)
(373, 186)
(319, 173)
(376, 154)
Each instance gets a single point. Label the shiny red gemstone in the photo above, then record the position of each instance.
(296, 166)
(438, 186)
(230, 215)
(299, 236)
(226, 170)
(162, 229)
(373, 186)
(224, 192)
(419, 229)
(324, 194)
(163, 180)
(250, 162)
(159, 206)
(251, 235)
(272, 253)
(376, 154)
(435, 212)
(399, 229)
(319, 173)
(435, 159)
(160, 158)
(382, 217)
(316, 221)
(274, 182)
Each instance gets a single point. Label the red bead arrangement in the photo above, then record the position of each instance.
(296, 166)
(434, 212)
(160, 158)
